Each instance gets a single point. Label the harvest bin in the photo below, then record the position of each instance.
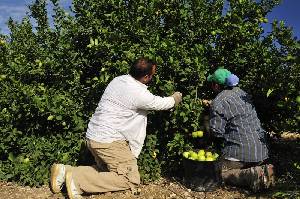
(202, 175)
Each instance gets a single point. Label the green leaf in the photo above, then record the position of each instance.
(92, 41)
(269, 92)
(11, 157)
(59, 117)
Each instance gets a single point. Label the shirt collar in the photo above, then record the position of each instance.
(140, 83)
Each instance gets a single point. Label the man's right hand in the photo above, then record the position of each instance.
(177, 97)
(206, 102)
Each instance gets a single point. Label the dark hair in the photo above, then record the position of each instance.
(141, 67)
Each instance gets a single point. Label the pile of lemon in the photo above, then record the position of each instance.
(202, 155)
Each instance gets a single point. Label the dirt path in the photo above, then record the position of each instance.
(163, 189)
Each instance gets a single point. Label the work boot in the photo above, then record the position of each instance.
(72, 191)
(57, 178)
(269, 176)
(262, 177)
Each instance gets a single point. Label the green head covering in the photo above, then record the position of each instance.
(219, 76)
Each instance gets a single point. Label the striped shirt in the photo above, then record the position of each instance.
(233, 118)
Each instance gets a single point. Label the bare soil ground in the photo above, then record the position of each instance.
(162, 189)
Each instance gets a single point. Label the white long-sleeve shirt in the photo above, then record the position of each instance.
(122, 113)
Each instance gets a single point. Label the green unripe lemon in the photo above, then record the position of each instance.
(186, 154)
(194, 134)
(194, 156)
(209, 154)
(201, 158)
(201, 152)
(298, 99)
(209, 159)
(50, 117)
(216, 155)
(200, 134)
(2, 76)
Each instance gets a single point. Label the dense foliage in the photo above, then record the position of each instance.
(53, 77)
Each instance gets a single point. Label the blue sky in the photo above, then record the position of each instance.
(17, 9)
(287, 11)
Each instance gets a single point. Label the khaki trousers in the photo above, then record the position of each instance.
(116, 169)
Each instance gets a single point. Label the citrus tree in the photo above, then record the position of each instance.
(52, 77)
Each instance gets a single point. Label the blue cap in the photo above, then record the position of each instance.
(232, 80)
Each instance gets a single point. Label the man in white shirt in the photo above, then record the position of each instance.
(115, 135)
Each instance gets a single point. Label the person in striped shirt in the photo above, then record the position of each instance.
(233, 119)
